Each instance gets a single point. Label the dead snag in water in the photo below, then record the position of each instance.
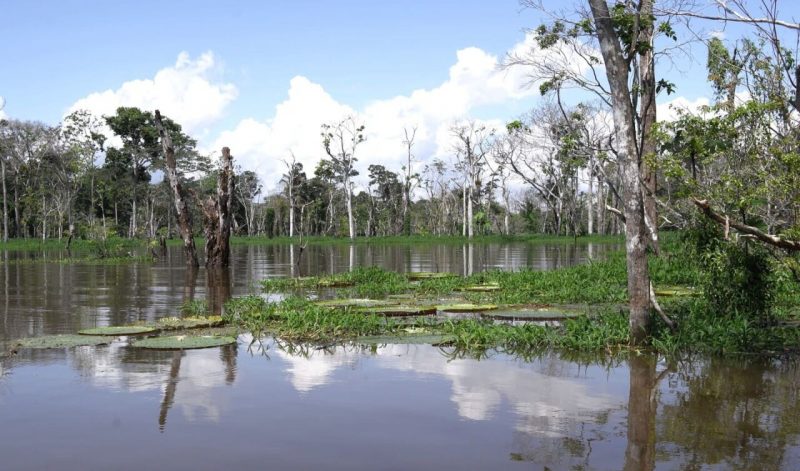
(182, 208)
(218, 215)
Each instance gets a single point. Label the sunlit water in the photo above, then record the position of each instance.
(275, 406)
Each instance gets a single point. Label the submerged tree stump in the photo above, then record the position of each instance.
(181, 205)
(218, 213)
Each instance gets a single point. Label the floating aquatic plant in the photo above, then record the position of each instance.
(63, 341)
(120, 330)
(183, 342)
(402, 310)
(466, 307)
(189, 322)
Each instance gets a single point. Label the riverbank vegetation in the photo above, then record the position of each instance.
(739, 314)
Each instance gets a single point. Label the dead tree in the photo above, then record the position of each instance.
(218, 215)
(181, 207)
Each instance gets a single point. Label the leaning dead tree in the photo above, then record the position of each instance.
(218, 215)
(181, 206)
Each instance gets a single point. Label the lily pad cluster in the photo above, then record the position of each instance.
(146, 335)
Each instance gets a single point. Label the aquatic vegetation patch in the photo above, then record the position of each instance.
(120, 330)
(62, 341)
(183, 342)
(195, 308)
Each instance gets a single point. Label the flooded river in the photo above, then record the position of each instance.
(271, 405)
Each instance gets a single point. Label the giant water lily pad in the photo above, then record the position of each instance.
(466, 307)
(428, 275)
(63, 341)
(120, 330)
(407, 339)
(173, 323)
(334, 283)
(487, 288)
(400, 310)
(354, 302)
(183, 342)
(669, 291)
(533, 313)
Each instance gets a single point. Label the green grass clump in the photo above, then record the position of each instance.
(195, 308)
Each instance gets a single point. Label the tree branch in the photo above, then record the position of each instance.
(777, 241)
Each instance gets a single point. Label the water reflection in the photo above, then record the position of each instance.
(554, 412)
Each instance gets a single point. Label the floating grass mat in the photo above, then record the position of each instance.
(399, 311)
(174, 323)
(429, 275)
(120, 330)
(466, 307)
(354, 302)
(406, 339)
(676, 291)
(533, 313)
(63, 341)
(487, 288)
(183, 342)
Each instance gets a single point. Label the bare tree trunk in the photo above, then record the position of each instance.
(635, 231)
(44, 218)
(349, 196)
(647, 107)
(181, 207)
(464, 211)
(590, 203)
(5, 199)
(469, 213)
(218, 216)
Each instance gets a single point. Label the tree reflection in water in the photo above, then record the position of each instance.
(218, 289)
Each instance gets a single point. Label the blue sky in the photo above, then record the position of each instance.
(360, 50)
(261, 76)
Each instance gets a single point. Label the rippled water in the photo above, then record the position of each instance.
(278, 406)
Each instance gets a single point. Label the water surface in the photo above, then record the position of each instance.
(274, 405)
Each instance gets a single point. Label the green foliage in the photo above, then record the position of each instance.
(195, 308)
(737, 277)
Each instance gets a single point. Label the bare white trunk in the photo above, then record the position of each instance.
(590, 205)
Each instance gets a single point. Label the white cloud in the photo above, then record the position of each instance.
(3, 114)
(186, 92)
(669, 111)
(719, 34)
(474, 80)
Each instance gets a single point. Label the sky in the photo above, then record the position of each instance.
(262, 76)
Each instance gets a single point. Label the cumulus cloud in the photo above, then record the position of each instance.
(671, 110)
(3, 114)
(474, 80)
(186, 92)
